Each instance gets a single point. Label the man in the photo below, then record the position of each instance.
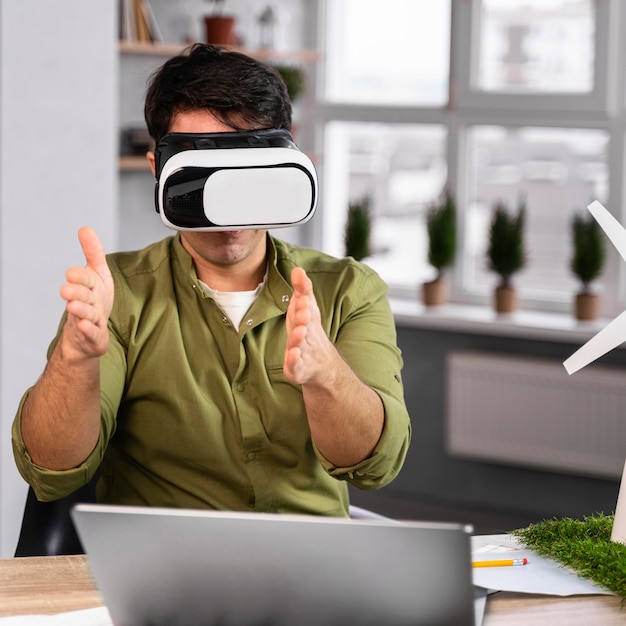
(226, 369)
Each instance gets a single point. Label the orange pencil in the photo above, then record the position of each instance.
(500, 562)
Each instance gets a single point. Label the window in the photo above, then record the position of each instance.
(555, 172)
(399, 55)
(402, 168)
(535, 55)
(531, 116)
(536, 46)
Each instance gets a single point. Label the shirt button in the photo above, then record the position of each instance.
(225, 319)
(250, 456)
(285, 298)
(249, 322)
(240, 387)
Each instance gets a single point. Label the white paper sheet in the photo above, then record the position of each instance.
(87, 617)
(541, 575)
(480, 604)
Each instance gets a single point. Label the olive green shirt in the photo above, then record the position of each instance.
(197, 413)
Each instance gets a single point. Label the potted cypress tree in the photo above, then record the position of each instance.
(358, 228)
(294, 79)
(506, 254)
(587, 264)
(441, 229)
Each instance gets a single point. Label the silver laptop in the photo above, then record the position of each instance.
(180, 567)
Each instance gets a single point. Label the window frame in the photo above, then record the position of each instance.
(601, 99)
(604, 109)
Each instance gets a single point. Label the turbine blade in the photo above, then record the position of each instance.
(613, 229)
(608, 338)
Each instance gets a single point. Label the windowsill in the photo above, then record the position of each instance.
(483, 320)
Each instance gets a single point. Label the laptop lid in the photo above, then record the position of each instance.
(183, 567)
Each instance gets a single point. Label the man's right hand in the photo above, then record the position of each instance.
(61, 416)
(89, 296)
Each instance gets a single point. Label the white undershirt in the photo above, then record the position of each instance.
(234, 303)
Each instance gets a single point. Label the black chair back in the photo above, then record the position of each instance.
(47, 528)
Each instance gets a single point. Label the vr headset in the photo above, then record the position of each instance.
(234, 180)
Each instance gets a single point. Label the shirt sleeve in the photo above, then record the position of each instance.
(50, 484)
(382, 466)
(364, 333)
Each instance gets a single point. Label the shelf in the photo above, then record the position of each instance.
(170, 49)
(140, 48)
(139, 163)
(483, 320)
(128, 163)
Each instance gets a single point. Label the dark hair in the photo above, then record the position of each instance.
(239, 90)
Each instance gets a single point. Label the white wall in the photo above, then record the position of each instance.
(58, 147)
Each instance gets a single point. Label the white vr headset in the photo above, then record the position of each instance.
(233, 181)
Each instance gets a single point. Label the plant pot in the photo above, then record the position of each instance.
(435, 292)
(586, 306)
(505, 299)
(220, 29)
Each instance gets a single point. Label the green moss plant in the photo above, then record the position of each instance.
(584, 545)
(505, 252)
(589, 250)
(441, 229)
(358, 228)
(294, 79)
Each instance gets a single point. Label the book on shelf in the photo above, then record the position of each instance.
(126, 21)
(137, 22)
(157, 35)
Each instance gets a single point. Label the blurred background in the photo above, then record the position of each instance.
(494, 100)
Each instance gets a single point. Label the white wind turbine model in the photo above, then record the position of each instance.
(608, 338)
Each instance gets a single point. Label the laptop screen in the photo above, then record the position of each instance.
(194, 567)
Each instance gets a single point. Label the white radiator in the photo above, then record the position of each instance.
(530, 412)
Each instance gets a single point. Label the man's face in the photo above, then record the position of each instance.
(221, 249)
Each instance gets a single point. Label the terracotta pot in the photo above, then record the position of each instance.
(505, 299)
(586, 306)
(435, 292)
(220, 29)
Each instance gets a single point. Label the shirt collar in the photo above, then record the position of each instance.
(277, 287)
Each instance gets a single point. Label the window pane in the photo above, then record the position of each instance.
(398, 55)
(402, 168)
(541, 46)
(559, 172)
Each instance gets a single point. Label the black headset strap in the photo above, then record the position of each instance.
(173, 143)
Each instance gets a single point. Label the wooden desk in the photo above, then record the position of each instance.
(514, 609)
(46, 585)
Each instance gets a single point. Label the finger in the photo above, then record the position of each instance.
(301, 282)
(296, 337)
(92, 248)
(83, 311)
(85, 276)
(76, 290)
(292, 364)
(90, 331)
(301, 303)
